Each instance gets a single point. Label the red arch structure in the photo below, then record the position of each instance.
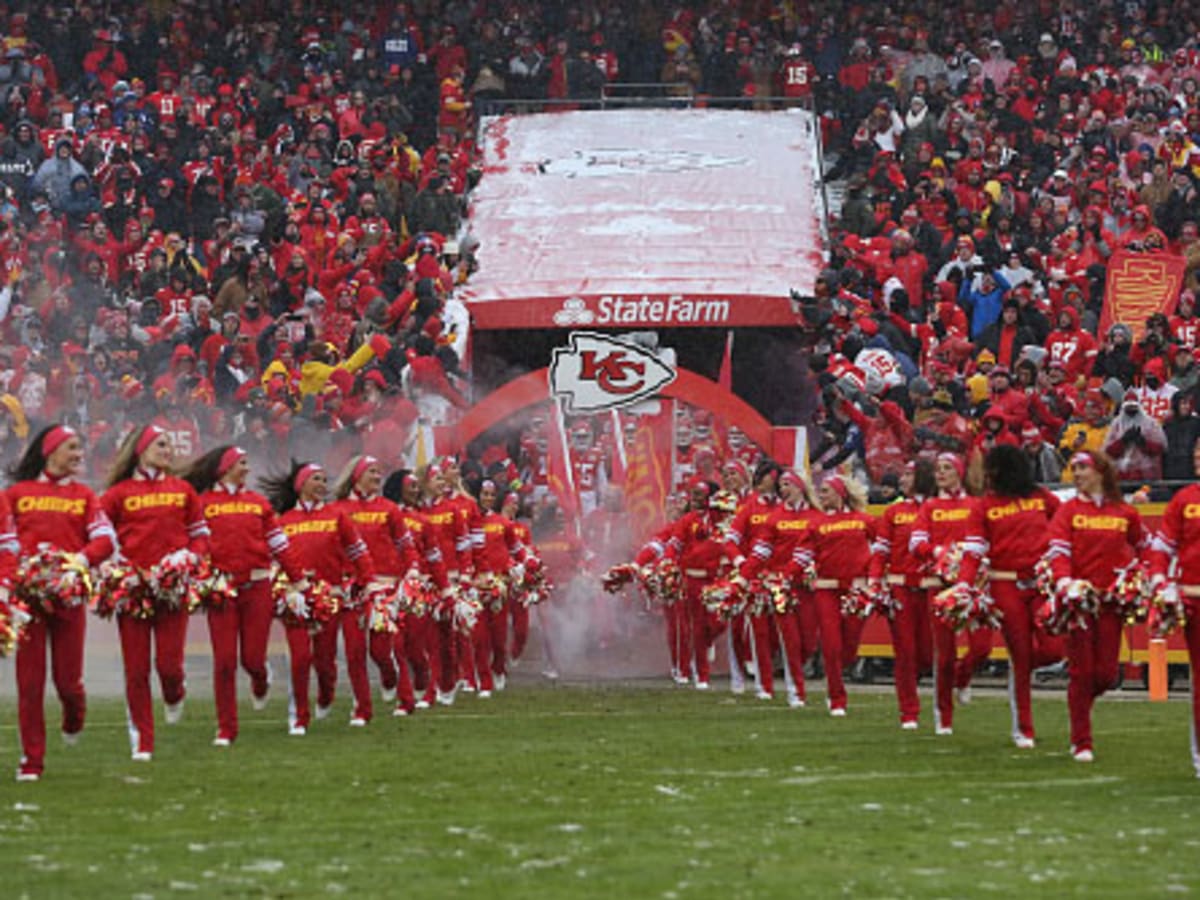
(534, 388)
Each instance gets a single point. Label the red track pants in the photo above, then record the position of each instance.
(912, 644)
(674, 617)
(351, 623)
(697, 632)
(1028, 648)
(839, 642)
(300, 655)
(1192, 635)
(241, 623)
(169, 631)
(65, 633)
(979, 648)
(1093, 655)
(519, 620)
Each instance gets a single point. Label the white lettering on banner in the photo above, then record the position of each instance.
(598, 373)
(673, 310)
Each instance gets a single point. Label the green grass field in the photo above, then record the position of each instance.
(625, 791)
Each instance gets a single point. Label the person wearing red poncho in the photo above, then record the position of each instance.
(839, 549)
(1178, 538)
(891, 561)
(942, 524)
(333, 552)
(51, 509)
(789, 527)
(1009, 525)
(244, 539)
(393, 555)
(452, 535)
(1092, 537)
(498, 551)
(157, 517)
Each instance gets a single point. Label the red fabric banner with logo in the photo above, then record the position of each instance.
(1138, 286)
(648, 474)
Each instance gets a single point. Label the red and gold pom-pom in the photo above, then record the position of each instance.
(492, 590)
(117, 583)
(780, 596)
(1072, 608)
(618, 576)
(537, 584)
(50, 580)
(663, 581)
(14, 617)
(1130, 594)
(883, 601)
(418, 594)
(725, 598)
(309, 604)
(382, 605)
(466, 612)
(1166, 610)
(210, 588)
(856, 603)
(963, 607)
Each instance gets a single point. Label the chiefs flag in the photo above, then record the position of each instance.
(648, 473)
(1138, 286)
(559, 475)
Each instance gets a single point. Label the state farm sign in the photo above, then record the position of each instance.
(674, 309)
(597, 373)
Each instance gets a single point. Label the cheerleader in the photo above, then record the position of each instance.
(244, 538)
(1179, 539)
(393, 555)
(158, 518)
(840, 548)
(499, 554)
(750, 524)
(1092, 536)
(51, 509)
(1010, 526)
(419, 635)
(891, 561)
(674, 617)
(452, 535)
(333, 552)
(789, 527)
(518, 610)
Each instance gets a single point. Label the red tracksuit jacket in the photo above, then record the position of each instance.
(1179, 535)
(64, 514)
(450, 532)
(326, 543)
(1013, 532)
(941, 522)
(842, 545)
(751, 523)
(1091, 539)
(890, 554)
(787, 534)
(244, 534)
(496, 543)
(10, 547)
(155, 515)
(428, 552)
(381, 525)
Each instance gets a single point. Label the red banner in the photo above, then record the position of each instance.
(648, 474)
(1138, 286)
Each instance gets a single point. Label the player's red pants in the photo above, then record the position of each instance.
(1093, 655)
(169, 631)
(241, 623)
(65, 634)
(839, 642)
(1028, 648)
(912, 644)
(351, 624)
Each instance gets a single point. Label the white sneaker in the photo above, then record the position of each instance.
(422, 704)
(28, 776)
(838, 712)
(909, 725)
(748, 665)
(221, 742)
(173, 712)
(358, 722)
(501, 682)
(1084, 756)
(1023, 743)
(140, 756)
(943, 731)
(963, 695)
(323, 711)
(71, 740)
(552, 674)
(399, 712)
(737, 687)
(763, 695)
(297, 731)
(796, 702)
(485, 695)
(260, 703)
(387, 695)
(466, 687)
(680, 678)
(444, 698)
(702, 685)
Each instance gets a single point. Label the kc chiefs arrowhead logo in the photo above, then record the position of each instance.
(598, 373)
